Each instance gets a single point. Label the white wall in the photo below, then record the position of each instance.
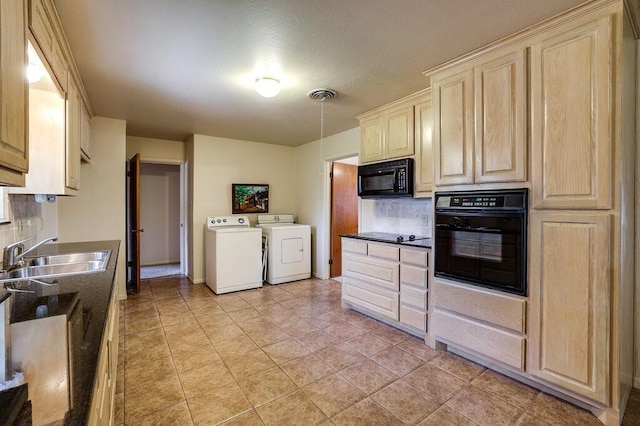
(98, 212)
(313, 189)
(156, 150)
(159, 213)
(214, 164)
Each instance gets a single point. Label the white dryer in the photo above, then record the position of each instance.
(288, 248)
(233, 254)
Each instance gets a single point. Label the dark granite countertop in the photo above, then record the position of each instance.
(93, 291)
(388, 237)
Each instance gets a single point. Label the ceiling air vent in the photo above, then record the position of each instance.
(322, 94)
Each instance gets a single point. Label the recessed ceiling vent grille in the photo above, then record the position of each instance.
(322, 94)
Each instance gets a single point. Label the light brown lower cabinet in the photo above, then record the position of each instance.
(387, 281)
(569, 338)
(102, 403)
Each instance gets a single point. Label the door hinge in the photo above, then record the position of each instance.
(330, 261)
(331, 175)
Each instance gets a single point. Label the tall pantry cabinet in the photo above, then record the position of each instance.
(553, 108)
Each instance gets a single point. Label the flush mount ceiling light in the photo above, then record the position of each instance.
(268, 86)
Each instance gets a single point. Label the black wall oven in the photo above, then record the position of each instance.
(481, 238)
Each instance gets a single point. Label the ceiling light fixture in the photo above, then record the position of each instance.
(268, 86)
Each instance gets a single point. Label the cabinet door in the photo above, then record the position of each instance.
(371, 148)
(500, 124)
(85, 133)
(72, 161)
(13, 86)
(569, 294)
(398, 139)
(571, 136)
(424, 147)
(47, 39)
(453, 128)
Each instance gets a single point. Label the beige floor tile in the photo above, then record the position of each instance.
(177, 317)
(333, 394)
(306, 369)
(244, 314)
(231, 305)
(251, 325)
(236, 346)
(317, 340)
(368, 344)
(266, 386)
(446, 416)
(297, 328)
(390, 334)
(145, 341)
(151, 396)
(249, 363)
(269, 336)
(344, 330)
(291, 410)
(397, 360)
(250, 418)
(149, 372)
(529, 420)
(219, 332)
(286, 350)
(369, 376)
(483, 408)
(118, 411)
(435, 382)
(417, 347)
(365, 413)
(194, 358)
(405, 402)
(177, 414)
(187, 341)
(458, 366)
(200, 380)
(152, 356)
(515, 393)
(555, 411)
(340, 356)
(218, 405)
(142, 325)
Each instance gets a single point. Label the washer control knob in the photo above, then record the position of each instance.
(224, 220)
(240, 220)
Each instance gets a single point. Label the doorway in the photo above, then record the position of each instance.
(156, 203)
(344, 208)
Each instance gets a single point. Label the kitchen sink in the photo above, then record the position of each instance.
(59, 265)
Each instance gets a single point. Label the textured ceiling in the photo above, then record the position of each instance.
(172, 68)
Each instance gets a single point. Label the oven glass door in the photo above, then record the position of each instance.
(486, 249)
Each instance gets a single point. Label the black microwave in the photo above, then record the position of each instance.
(388, 179)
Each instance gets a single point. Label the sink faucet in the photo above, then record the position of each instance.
(13, 254)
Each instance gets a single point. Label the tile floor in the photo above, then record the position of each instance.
(289, 354)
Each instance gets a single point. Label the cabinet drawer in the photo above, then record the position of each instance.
(413, 317)
(413, 296)
(495, 343)
(355, 246)
(414, 276)
(385, 252)
(371, 297)
(499, 309)
(378, 272)
(415, 257)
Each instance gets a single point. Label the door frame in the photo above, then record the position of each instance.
(325, 271)
(183, 205)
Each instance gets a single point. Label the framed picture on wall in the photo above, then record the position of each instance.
(249, 198)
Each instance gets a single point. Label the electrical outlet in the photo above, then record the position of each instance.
(424, 220)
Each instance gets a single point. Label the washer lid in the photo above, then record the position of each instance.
(228, 221)
(275, 218)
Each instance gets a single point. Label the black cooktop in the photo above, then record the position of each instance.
(389, 237)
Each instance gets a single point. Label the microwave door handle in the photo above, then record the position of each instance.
(395, 180)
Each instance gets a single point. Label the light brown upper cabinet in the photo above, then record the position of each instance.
(73, 134)
(13, 92)
(42, 27)
(387, 133)
(85, 133)
(571, 137)
(480, 121)
(424, 147)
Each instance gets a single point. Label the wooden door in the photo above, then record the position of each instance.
(500, 123)
(344, 210)
(398, 140)
(133, 225)
(569, 296)
(371, 148)
(571, 118)
(453, 127)
(424, 147)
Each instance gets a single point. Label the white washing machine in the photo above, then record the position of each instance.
(288, 248)
(233, 254)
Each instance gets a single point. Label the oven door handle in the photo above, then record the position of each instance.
(472, 229)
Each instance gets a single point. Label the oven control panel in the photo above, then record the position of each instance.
(491, 200)
(476, 202)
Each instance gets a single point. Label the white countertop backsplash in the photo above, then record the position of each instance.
(398, 216)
